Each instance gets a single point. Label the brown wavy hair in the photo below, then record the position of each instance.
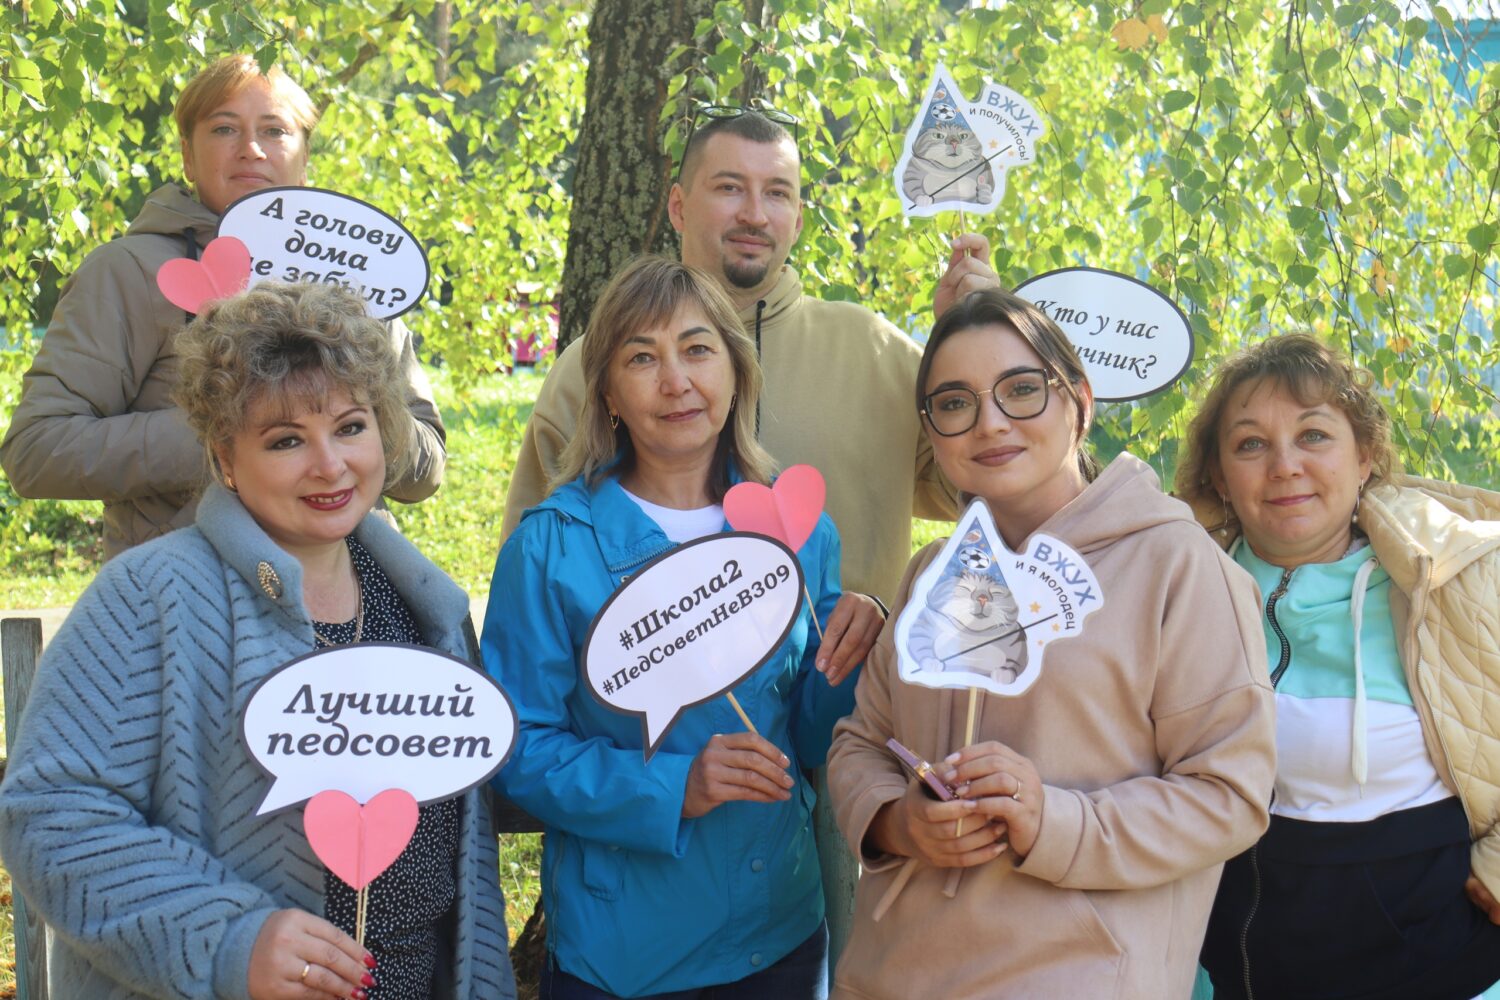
(293, 344)
(1314, 374)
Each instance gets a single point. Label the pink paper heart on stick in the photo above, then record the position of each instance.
(788, 510)
(223, 270)
(358, 842)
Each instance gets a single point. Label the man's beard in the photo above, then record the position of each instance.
(748, 274)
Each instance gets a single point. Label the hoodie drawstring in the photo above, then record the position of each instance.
(760, 307)
(1360, 755)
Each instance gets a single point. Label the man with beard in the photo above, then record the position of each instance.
(838, 393)
(838, 378)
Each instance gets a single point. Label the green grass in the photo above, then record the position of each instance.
(459, 528)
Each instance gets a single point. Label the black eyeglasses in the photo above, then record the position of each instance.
(729, 112)
(1021, 395)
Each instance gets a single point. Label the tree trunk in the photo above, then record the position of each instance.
(621, 185)
(754, 83)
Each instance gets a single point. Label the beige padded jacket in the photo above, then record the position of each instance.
(1440, 542)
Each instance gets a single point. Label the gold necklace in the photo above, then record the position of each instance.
(359, 610)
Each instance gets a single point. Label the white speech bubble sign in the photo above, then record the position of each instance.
(691, 625)
(364, 718)
(1133, 340)
(309, 234)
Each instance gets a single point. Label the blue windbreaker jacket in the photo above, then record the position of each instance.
(638, 899)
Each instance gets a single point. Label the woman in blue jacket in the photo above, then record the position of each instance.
(695, 870)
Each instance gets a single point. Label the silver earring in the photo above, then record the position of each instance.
(1358, 496)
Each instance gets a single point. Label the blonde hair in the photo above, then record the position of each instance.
(1313, 373)
(207, 91)
(647, 293)
(292, 343)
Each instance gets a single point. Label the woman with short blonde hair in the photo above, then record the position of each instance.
(96, 418)
(128, 814)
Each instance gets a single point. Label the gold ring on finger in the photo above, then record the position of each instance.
(306, 968)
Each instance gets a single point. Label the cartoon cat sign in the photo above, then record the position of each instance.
(981, 616)
(957, 150)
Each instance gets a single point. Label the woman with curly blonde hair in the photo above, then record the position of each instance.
(128, 813)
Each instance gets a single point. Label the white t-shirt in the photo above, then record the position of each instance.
(682, 525)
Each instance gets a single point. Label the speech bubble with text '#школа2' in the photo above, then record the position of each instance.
(690, 626)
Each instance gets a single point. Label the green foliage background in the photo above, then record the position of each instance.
(1268, 164)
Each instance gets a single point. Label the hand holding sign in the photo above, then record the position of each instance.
(981, 616)
(690, 626)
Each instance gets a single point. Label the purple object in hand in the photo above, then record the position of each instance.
(920, 768)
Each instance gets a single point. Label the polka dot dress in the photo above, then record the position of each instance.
(408, 901)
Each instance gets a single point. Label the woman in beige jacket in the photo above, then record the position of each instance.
(96, 419)
(1099, 805)
(1378, 875)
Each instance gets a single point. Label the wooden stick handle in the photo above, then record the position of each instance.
(958, 829)
(812, 611)
(359, 915)
(735, 704)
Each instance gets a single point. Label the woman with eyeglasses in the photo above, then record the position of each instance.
(1097, 807)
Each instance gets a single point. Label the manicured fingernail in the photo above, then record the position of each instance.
(784, 761)
(369, 961)
(1000, 849)
(367, 979)
(359, 994)
(952, 758)
(822, 664)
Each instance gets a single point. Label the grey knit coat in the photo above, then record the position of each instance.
(127, 812)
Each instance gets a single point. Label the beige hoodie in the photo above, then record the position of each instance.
(96, 420)
(1153, 733)
(839, 395)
